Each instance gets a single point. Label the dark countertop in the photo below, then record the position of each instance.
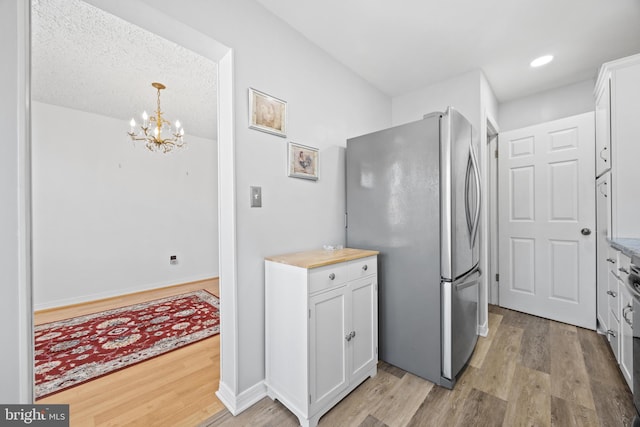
(629, 247)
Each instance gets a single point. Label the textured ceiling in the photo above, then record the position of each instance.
(86, 59)
(401, 46)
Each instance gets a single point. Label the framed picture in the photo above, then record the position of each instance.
(267, 113)
(303, 161)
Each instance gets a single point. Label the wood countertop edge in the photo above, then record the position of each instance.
(321, 257)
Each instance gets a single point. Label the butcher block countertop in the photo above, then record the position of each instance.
(319, 258)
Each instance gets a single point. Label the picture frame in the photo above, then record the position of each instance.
(267, 113)
(302, 161)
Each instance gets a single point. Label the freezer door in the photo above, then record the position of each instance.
(461, 192)
(459, 332)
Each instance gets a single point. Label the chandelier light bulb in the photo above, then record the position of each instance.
(132, 123)
(145, 116)
(177, 125)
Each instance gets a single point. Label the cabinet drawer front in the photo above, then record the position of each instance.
(322, 278)
(362, 267)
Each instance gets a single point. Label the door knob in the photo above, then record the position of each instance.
(585, 231)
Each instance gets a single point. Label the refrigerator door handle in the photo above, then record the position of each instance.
(476, 220)
(471, 282)
(467, 208)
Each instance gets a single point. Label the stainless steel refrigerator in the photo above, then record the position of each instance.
(413, 193)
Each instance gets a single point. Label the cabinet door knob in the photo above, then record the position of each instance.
(348, 337)
(612, 261)
(365, 267)
(353, 334)
(613, 294)
(332, 276)
(610, 332)
(624, 270)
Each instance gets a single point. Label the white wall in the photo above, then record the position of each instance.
(16, 357)
(327, 104)
(461, 92)
(549, 105)
(107, 216)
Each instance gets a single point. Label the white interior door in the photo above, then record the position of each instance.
(547, 220)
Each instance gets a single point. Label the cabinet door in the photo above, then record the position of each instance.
(364, 307)
(328, 328)
(603, 129)
(602, 249)
(626, 335)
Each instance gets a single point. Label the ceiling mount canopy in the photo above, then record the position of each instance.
(151, 129)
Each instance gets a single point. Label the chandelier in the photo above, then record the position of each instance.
(151, 129)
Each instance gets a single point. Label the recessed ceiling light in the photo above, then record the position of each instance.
(543, 60)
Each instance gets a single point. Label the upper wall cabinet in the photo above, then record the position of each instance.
(617, 95)
(603, 123)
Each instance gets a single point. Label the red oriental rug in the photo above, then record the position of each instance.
(72, 351)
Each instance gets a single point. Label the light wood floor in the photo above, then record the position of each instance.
(528, 372)
(175, 389)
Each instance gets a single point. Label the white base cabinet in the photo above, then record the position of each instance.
(321, 328)
(620, 332)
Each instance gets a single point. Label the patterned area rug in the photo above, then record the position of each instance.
(70, 352)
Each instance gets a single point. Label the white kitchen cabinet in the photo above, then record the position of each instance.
(620, 325)
(321, 328)
(613, 332)
(617, 109)
(626, 334)
(603, 124)
(617, 95)
(603, 209)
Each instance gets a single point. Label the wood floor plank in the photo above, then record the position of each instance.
(483, 344)
(529, 399)
(482, 409)
(354, 409)
(443, 406)
(265, 412)
(500, 364)
(569, 378)
(598, 358)
(403, 400)
(568, 414)
(394, 370)
(536, 344)
(372, 421)
(614, 404)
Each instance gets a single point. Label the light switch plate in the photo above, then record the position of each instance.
(256, 197)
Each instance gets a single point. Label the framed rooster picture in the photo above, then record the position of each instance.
(303, 161)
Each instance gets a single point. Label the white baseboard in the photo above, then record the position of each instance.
(483, 330)
(237, 404)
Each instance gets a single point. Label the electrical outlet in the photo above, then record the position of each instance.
(256, 197)
(173, 260)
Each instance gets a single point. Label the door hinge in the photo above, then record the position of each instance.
(376, 350)
(309, 313)
(497, 277)
(309, 399)
(346, 220)
(496, 153)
